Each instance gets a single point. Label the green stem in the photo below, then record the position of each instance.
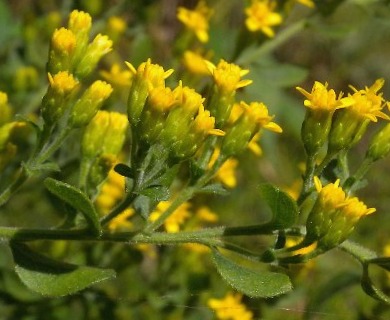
(198, 236)
(358, 252)
(117, 210)
(11, 189)
(254, 55)
(308, 179)
(47, 152)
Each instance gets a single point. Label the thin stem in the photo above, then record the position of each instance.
(117, 210)
(14, 186)
(254, 55)
(308, 179)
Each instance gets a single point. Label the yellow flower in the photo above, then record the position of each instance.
(351, 123)
(204, 123)
(230, 307)
(205, 214)
(121, 221)
(227, 76)
(195, 63)
(161, 99)
(258, 113)
(333, 216)
(331, 196)
(79, 21)
(153, 74)
(63, 82)
(353, 208)
(196, 20)
(226, 174)
(116, 24)
(63, 41)
(261, 17)
(116, 76)
(307, 3)
(322, 99)
(368, 103)
(175, 220)
(5, 109)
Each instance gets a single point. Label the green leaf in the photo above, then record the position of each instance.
(252, 282)
(53, 278)
(76, 199)
(156, 193)
(284, 208)
(370, 288)
(144, 205)
(215, 188)
(383, 262)
(124, 170)
(49, 166)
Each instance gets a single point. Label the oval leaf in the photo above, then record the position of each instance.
(284, 208)
(53, 278)
(124, 170)
(76, 199)
(258, 284)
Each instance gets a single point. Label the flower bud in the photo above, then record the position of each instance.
(350, 124)
(61, 88)
(321, 104)
(254, 117)
(333, 216)
(105, 134)
(89, 103)
(146, 77)
(227, 79)
(380, 144)
(62, 47)
(99, 47)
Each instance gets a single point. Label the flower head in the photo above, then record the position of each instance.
(196, 20)
(63, 82)
(261, 17)
(227, 76)
(63, 41)
(79, 21)
(334, 215)
(195, 63)
(322, 99)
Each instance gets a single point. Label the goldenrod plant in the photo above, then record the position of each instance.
(141, 143)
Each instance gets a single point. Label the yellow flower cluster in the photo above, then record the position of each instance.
(196, 20)
(334, 215)
(261, 17)
(230, 307)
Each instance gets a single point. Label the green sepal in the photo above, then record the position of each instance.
(124, 170)
(370, 288)
(53, 278)
(76, 199)
(250, 281)
(284, 209)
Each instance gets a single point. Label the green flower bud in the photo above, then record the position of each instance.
(146, 77)
(89, 103)
(380, 144)
(61, 89)
(105, 134)
(99, 47)
(62, 48)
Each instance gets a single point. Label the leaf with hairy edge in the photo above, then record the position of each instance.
(53, 278)
(76, 199)
(284, 208)
(253, 283)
